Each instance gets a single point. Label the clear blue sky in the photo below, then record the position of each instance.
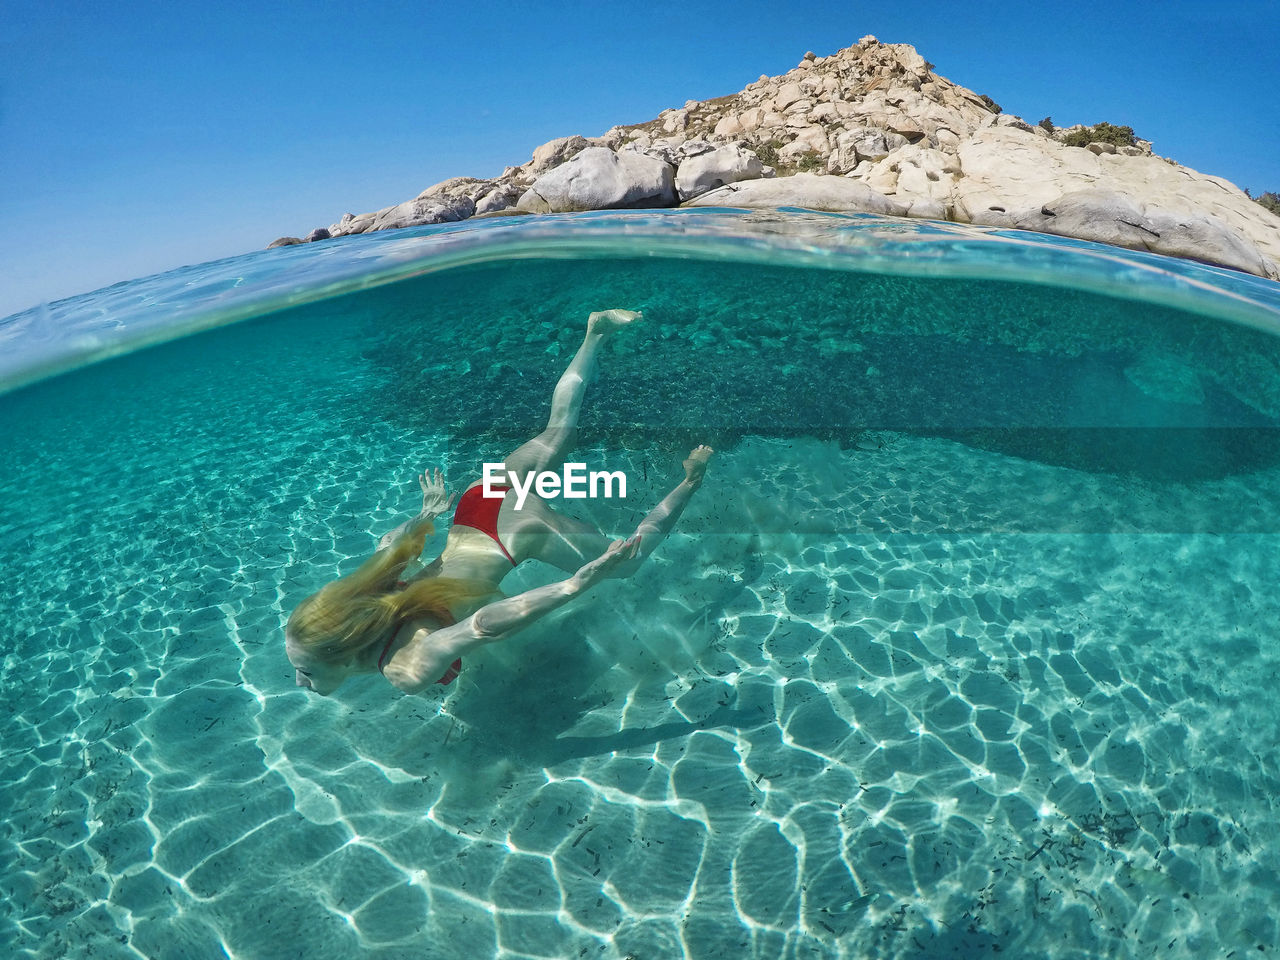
(140, 136)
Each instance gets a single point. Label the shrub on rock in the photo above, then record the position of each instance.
(1101, 133)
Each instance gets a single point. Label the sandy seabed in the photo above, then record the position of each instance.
(858, 706)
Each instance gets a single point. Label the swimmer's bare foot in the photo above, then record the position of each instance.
(696, 465)
(605, 321)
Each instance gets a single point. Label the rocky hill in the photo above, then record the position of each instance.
(871, 128)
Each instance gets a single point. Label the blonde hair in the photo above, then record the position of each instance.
(346, 615)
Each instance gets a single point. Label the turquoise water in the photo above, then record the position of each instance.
(965, 648)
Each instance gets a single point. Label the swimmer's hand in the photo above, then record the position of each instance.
(608, 563)
(435, 501)
(435, 498)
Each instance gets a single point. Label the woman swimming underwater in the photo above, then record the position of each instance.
(415, 631)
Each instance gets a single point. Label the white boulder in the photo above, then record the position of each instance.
(350, 223)
(862, 143)
(809, 139)
(599, 179)
(502, 197)
(788, 93)
(802, 190)
(415, 213)
(555, 152)
(1010, 177)
(729, 125)
(919, 178)
(705, 171)
(1127, 221)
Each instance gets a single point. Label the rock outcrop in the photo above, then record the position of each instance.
(705, 169)
(802, 190)
(871, 128)
(597, 178)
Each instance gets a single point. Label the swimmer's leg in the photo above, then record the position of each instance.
(542, 533)
(548, 449)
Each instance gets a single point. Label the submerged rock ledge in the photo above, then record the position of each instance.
(868, 129)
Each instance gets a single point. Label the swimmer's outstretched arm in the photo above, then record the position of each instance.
(435, 501)
(426, 657)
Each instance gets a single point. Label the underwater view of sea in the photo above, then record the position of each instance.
(967, 646)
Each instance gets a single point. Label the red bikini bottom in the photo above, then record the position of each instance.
(479, 512)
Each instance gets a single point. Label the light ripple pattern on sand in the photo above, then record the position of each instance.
(865, 703)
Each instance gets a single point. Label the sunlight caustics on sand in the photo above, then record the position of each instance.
(966, 647)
